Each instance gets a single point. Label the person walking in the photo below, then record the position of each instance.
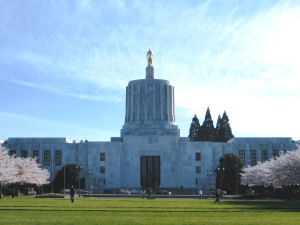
(200, 194)
(150, 192)
(217, 196)
(72, 192)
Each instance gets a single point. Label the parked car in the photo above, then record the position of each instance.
(162, 192)
(82, 191)
(131, 190)
(65, 191)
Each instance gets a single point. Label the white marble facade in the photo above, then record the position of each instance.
(149, 130)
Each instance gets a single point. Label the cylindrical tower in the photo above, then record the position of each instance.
(150, 106)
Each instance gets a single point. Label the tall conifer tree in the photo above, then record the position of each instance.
(218, 129)
(224, 133)
(229, 173)
(194, 129)
(207, 131)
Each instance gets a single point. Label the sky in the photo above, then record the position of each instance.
(64, 65)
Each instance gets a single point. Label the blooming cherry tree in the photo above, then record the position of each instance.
(7, 170)
(20, 170)
(28, 171)
(284, 170)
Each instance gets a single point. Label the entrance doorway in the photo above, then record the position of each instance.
(150, 171)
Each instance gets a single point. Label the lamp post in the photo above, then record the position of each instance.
(220, 171)
(79, 167)
(91, 173)
(52, 179)
(64, 179)
(237, 178)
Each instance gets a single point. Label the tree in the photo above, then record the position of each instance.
(70, 174)
(224, 132)
(229, 173)
(20, 170)
(217, 128)
(281, 171)
(207, 130)
(6, 168)
(194, 129)
(28, 171)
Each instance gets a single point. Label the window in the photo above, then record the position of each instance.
(46, 158)
(57, 157)
(102, 156)
(24, 154)
(198, 169)
(198, 156)
(242, 156)
(275, 153)
(252, 157)
(104, 181)
(196, 181)
(264, 155)
(102, 169)
(12, 152)
(36, 154)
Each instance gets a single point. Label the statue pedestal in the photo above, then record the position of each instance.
(149, 72)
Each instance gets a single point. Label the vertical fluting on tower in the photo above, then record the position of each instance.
(150, 100)
(150, 104)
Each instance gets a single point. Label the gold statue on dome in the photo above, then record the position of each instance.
(150, 57)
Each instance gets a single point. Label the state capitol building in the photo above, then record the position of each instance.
(149, 151)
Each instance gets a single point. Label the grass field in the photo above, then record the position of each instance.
(143, 211)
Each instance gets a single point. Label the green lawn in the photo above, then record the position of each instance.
(143, 211)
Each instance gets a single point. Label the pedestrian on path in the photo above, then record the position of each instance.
(72, 192)
(200, 194)
(150, 192)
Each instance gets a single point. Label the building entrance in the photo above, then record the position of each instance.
(150, 171)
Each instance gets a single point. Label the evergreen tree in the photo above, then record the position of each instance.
(224, 132)
(207, 131)
(229, 173)
(70, 175)
(201, 134)
(194, 129)
(217, 128)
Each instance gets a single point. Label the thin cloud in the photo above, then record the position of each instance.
(236, 56)
(50, 128)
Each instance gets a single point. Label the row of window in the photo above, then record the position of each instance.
(198, 169)
(102, 168)
(198, 156)
(57, 157)
(253, 154)
(102, 156)
(46, 156)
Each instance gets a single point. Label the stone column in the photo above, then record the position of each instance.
(131, 102)
(127, 105)
(146, 101)
(138, 102)
(161, 102)
(154, 106)
(168, 103)
(173, 110)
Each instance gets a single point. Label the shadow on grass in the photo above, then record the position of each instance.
(256, 208)
(137, 211)
(279, 205)
(143, 211)
(222, 206)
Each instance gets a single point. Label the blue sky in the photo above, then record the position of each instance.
(64, 65)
